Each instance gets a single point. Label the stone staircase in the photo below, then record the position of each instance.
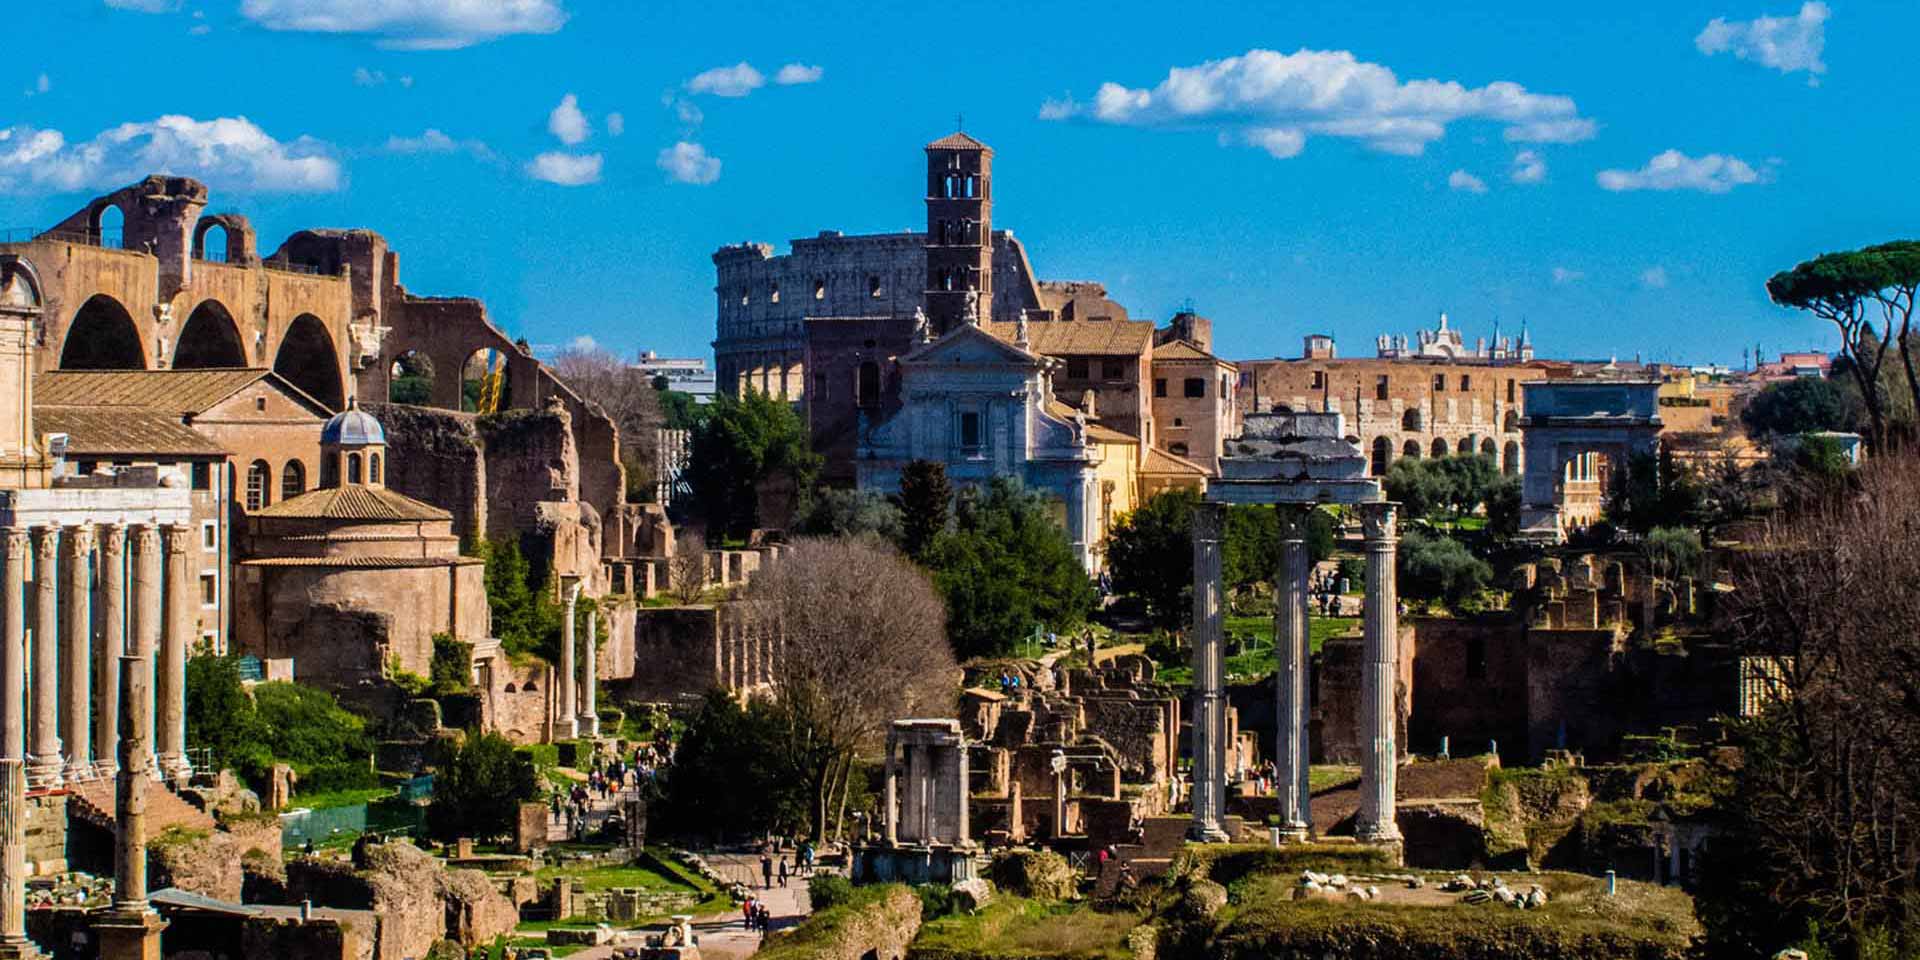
(1161, 839)
(94, 802)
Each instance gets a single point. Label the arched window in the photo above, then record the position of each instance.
(1513, 421)
(1411, 419)
(373, 468)
(869, 387)
(1382, 456)
(1486, 448)
(259, 485)
(1410, 450)
(1510, 459)
(293, 480)
(1466, 446)
(1177, 449)
(353, 468)
(1439, 447)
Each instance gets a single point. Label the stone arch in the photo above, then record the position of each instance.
(106, 224)
(293, 480)
(1177, 449)
(209, 339)
(1411, 419)
(1465, 447)
(486, 383)
(1510, 459)
(308, 359)
(1410, 450)
(1382, 456)
(1487, 448)
(410, 379)
(259, 491)
(1511, 423)
(103, 336)
(235, 242)
(1439, 447)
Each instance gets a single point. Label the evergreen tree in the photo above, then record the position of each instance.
(1004, 568)
(925, 497)
(738, 448)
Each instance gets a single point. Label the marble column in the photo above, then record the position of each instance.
(590, 678)
(14, 944)
(130, 929)
(1293, 649)
(110, 644)
(180, 608)
(892, 812)
(569, 679)
(1209, 747)
(145, 613)
(44, 761)
(917, 776)
(1378, 678)
(13, 653)
(76, 666)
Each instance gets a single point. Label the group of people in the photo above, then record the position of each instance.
(1325, 591)
(1010, 683)
(774, 865)
(755, 914)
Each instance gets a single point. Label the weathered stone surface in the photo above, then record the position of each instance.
(419, 901)
(1035, 874)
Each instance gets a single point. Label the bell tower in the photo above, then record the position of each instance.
(959, 232)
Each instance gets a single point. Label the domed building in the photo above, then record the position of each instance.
(352, 579)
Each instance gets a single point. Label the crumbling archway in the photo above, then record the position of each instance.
(107, 225)
(103, 336)
(308, 360)
(410, 379)
(485, 383)
(209, 339)
(1382, 456)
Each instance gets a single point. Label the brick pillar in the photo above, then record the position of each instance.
(110, 644)
(76, 667)
(1378, 678)
(180, 604)
(1293, 648)
(44, 760)
(14, 944)
(1209, 748)
(13, 654)
(130, 930)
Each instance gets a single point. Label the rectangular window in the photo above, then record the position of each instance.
(1076, 369)
(1113, 370)
(1510, 390)
(1380, 387)
(1196, 387)
(209, 537)
(1466, 382)
(86, 467)
(1159, 386)
(970, 430)
(202, 475)
(1319, 379)
(209, 590)
(1439, 383)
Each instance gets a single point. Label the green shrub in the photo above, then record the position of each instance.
(936, 900)
(341, 775)
(829, 890)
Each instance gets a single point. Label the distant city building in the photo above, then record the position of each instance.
(685, 374)
(1807, 363)
(1443, 343)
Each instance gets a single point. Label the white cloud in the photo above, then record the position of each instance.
(1528, 167)
(1654, 278)
(735, 81)
(1466, 182)
(616, 123)
(230, 153)
(433, 141)
(689, 163)
(409, 24)
(145, 6)
(1272, 97)
(567, 123)
(41, 84)
(1787, 44)
(1563, 276)
(794, 73)
(583, 344)
(566, 169)
(362, 77)
(199, 30)
(1673, 170)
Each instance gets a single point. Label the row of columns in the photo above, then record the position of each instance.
(933, 806)
(578, 698)
(66, 732)
(1293, 651)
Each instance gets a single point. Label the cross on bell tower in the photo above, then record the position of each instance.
(959, 232)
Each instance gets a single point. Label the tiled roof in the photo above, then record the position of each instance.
(180, 391)
(957, 140)
(1060, 338)
(1159, 462)
(354, 502)
(97, 431)
(1183, 350)
(364, 563)
(1095, 431)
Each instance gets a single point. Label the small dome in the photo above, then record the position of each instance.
(352, 428)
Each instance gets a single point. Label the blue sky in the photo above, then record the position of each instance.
(1622, 177)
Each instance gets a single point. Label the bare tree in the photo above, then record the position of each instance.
(859, 639)
(687, 573)
(626, 395)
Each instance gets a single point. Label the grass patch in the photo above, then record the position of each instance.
(340, 798)
(1258, 659)
(821, 934)
(1012, 927)
(1328, 777)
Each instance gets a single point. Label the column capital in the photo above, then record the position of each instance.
(1379, 521)
(145, 537)
(1208, 520)
(80, 535)
(179, 537)
(16, 543)
(46, 542)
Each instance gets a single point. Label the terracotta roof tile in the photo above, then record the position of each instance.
(354, 502)
(364, 563)
(102, 432)
(1183, 350)
(1095, 430)
(180, 391)
(1061, 338)
(1160, 462)
(958, 140)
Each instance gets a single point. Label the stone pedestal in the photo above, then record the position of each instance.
(1378, 679)
(1293, 649)
(129, 935)
(1209, 676)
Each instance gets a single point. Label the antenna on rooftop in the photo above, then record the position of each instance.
(960, 122)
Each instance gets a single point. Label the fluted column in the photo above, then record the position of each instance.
(1209, 727)
(14, 944)
(44, 761)
(1379, 675)
(590, 678)
(181, 603)
(76, 667)
(131, 929)
(110, 643)
(145, 614)
(13, 653)
(570, 680)
(1292, 648)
